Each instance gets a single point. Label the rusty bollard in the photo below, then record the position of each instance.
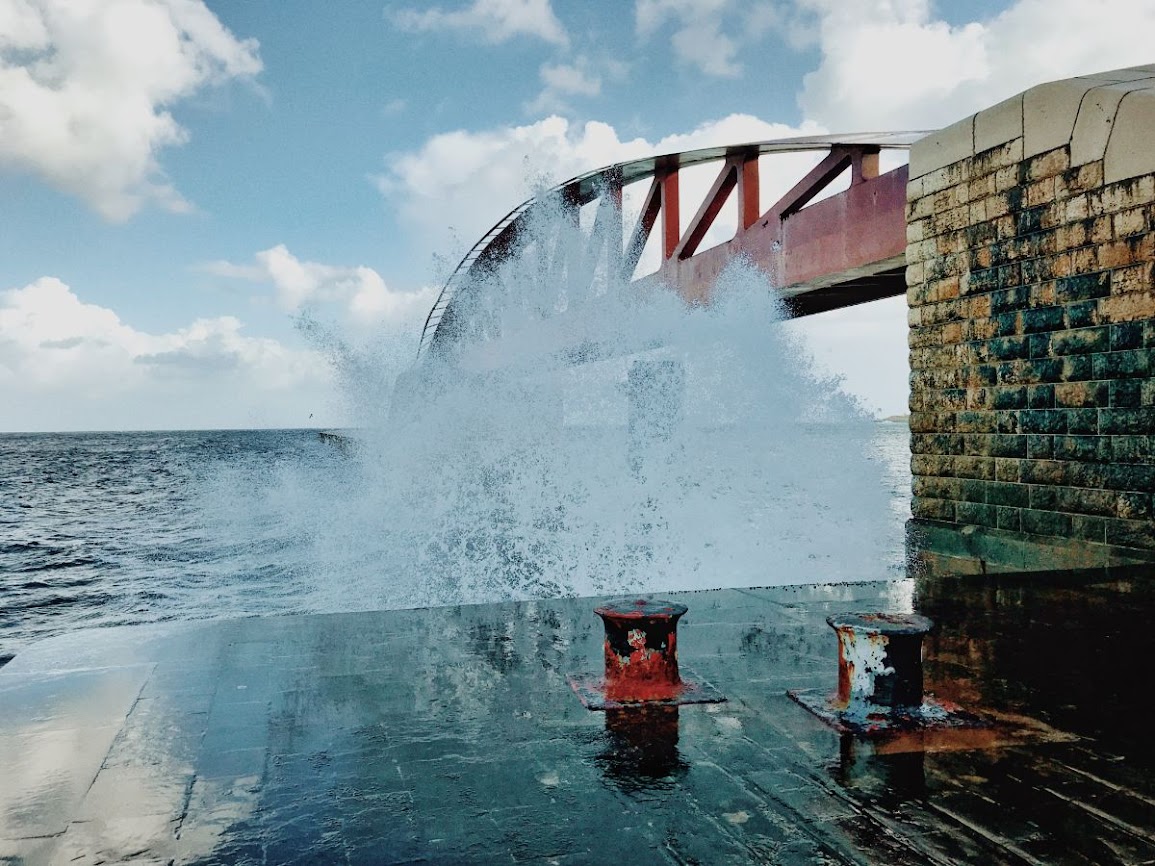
(880, 684)
(641, 659)
(641, 649)
(880, 658)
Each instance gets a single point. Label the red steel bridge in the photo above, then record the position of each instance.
(821, 251)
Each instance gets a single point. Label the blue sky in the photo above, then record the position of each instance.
(180, 179)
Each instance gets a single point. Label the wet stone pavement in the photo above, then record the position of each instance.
(452, 736)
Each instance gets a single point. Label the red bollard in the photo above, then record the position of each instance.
(641, 649)
(641, 660)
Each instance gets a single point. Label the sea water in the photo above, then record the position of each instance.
(102, 529)
(528, 459)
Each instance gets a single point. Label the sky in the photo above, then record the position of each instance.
(183, 182)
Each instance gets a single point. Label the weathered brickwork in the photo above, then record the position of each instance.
(1032, 343)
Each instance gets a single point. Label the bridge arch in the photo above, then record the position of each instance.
(845, 249)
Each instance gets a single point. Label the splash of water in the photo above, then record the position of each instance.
(588, 441)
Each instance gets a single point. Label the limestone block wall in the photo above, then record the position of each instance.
(1031, 274)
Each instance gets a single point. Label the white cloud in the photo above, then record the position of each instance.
(495, 21)
(707, 34)
(65, 363)
(894, 65)
(85, 90)
(582, 77)
(359, 291)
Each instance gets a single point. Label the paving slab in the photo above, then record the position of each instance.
(451, 735)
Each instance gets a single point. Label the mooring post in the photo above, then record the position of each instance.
(641, 649)
(880, 658)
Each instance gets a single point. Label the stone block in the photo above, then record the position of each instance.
(1077, 368)
(932, 509)
(1139, 277)
(1082, 394)
(1045, 522)
(1043, 498)
(1082, 287)
(1126, 335)
(977, 468)
(1084, 448)
(1041, 397)
(1133, 506)
(1082, 420)
(1081, 341)
(992, 159)
(942, 148)
(1039, 192)
(1128, 476)
(1117, 254)
(1121, 195)
(976, 514)
(980, 187)
(1101, 229)
(1087, 528)
(1015, 297)
(1131, 449)
(1126, 364)
(916, 230)
(1131, 222)
(1082, 314)
(1040, 345)
(1030, 220)
(1007, 325)
(1008, 470)
(1096, 119)
(1043, 421)
(1133, 306)
(1126, 393)
(1008, 518)
(1045, 165)
(975, 422)
(1008, 494)
(1044, 319)
(1129, 153)
(1049, 113)
(1127, 421)
(1072, 500)
(1131, 533)
(1082, 178)
(1047, 472)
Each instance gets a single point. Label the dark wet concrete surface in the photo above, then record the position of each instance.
(452, 736)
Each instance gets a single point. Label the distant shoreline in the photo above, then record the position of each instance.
(895, 419)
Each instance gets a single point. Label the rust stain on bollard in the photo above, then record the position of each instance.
(641, 659)
(880, 683)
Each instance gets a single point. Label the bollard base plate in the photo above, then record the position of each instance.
(873, 720)
(591, 689)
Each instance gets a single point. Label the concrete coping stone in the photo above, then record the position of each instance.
(1105, 115)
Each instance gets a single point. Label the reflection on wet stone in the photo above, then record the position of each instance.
(453, 736)
(869, 768)
(642, 748)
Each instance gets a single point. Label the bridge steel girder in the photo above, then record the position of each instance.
(844, 249)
